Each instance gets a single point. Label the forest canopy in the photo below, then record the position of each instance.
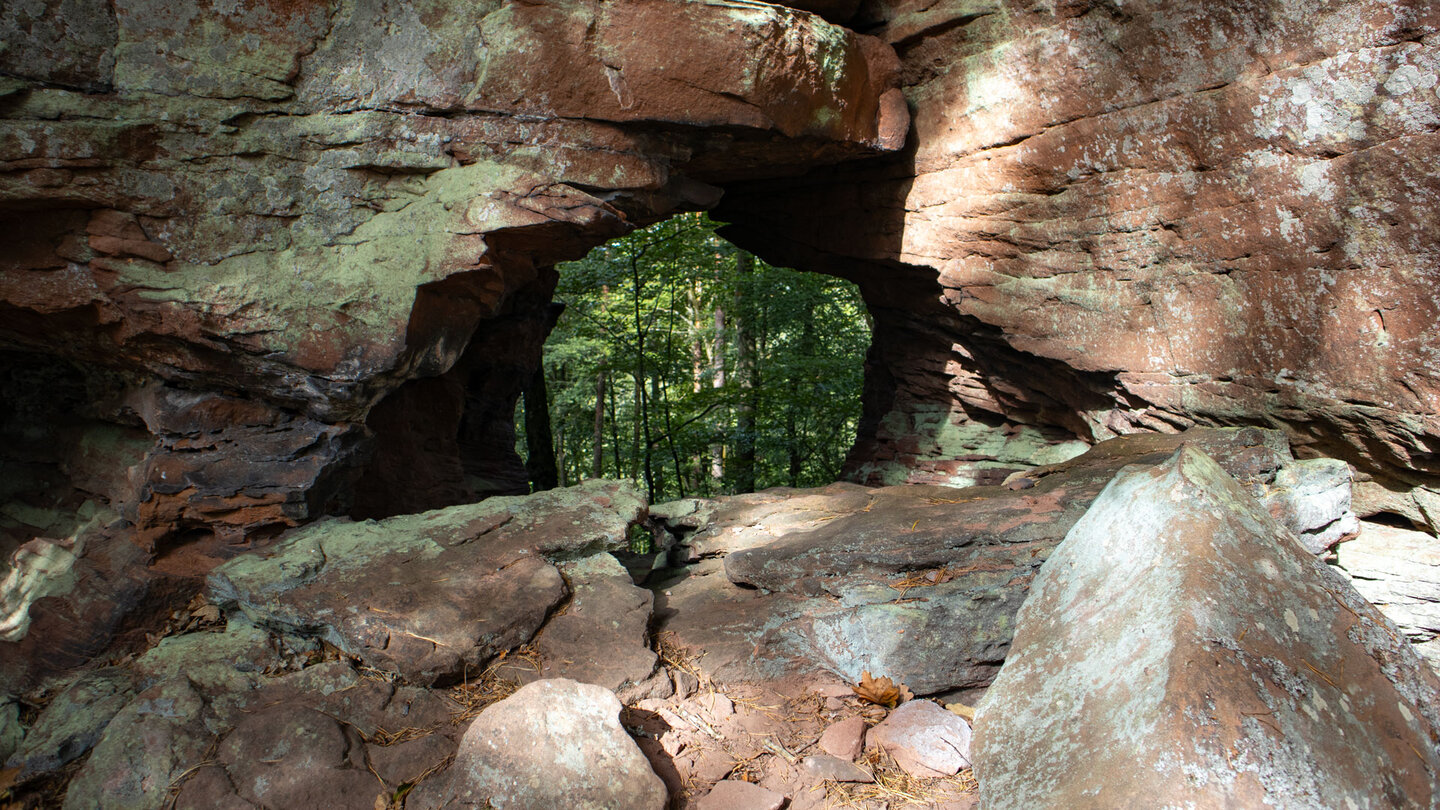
(694, 368)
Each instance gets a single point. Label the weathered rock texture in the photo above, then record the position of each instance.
(554, 743)
(1398, 571)
(1181, 649)
(437, 595)
(920, 583)
(271, 217)
(1140, 216)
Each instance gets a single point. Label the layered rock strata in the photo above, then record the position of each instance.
(271, 217)
(921, 583)
(1142, 216)
(435, 596)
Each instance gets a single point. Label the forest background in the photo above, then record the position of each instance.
(693, 368)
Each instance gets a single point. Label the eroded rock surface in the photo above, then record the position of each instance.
(436, 595)
(268, 219)
(1181, 648)
(554, 743)
(920, 583)
(603, 635)
(1398, 571)
(1144, 217)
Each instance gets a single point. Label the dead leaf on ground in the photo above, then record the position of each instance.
(206, 613)
(881, 691)
(967, 712)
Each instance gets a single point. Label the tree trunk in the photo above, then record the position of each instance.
(642, 396)
(747, 373)
(717, 380)
(597, 461)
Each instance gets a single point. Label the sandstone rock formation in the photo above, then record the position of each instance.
(1180, 648)
(435, 596)
(921, 583)
(1398, 571)
(354, 650)
(1141, 216)
(251, 226)
(275, 275)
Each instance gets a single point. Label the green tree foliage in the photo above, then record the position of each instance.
(690, 366)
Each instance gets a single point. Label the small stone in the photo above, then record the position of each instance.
(833, 690)
(835, 769)
(924, 739)
(735, 795)
(712, 765)
(716, 705)
(845, 739)
(686, 684)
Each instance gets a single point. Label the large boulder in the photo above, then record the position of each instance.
(145, 749)
(1180, 648)
(72, 723)
(921, 583)
(435, 595)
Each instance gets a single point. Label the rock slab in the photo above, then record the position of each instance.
(603, 635)
(1180, 649)
(845, 739)
(554, 743)
(920, 583)
(434, 595)
(1398, 571)
(731, 794)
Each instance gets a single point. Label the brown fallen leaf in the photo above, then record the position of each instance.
(967, 712)
(881, 691)
(206, 613)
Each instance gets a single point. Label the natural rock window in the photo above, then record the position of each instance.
(690, 366)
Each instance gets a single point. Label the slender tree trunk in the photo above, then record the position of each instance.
(793, 440)
(717, 380)
(614, 429)
(597, 459)
(562, 456)
(642, 396)
(662, 396)
(697, 371)
(747, 372)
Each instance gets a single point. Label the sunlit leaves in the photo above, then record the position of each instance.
(654, 314)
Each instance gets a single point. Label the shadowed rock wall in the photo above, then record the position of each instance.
(273, 215)
(1124, 216)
